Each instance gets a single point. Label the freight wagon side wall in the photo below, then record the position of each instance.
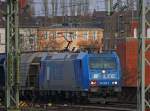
(131, 58)
(121, 53)
(147, 67)
(127, 50)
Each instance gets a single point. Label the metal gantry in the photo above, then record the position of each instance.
(108, 5)
(141, 57)
(13, 52)
(143, 47)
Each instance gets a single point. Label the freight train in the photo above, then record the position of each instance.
(69, 75)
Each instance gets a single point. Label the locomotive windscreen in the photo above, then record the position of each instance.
(102, 63)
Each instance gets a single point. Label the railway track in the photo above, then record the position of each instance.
(101, 108)
(75, 107)
(79, 108)
(67, 107)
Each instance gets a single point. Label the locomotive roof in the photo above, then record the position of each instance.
(104, 54)
(65, 56)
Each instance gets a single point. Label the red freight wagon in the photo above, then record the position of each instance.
(127, 50)
(22, 3)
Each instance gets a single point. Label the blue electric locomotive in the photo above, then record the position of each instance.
(73, 74)
(105, 74)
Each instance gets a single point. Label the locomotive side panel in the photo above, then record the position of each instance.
(63, 74)
(59, 75)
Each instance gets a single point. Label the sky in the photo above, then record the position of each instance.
(98, 5)
(94, 4)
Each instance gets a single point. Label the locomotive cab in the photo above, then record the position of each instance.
(105, 74)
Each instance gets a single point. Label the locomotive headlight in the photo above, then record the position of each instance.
(93, 82)
(116, 82)
(103, 71)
